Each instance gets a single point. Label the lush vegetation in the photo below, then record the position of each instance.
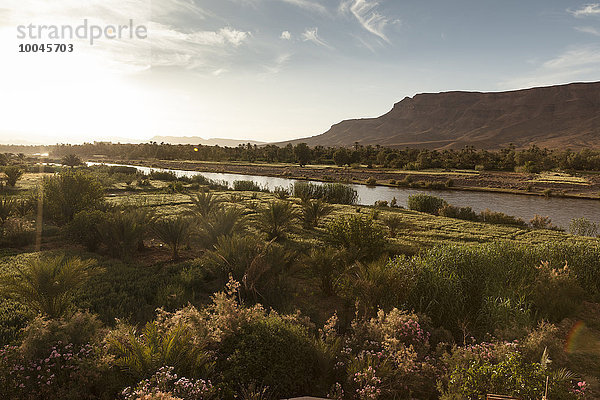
(533, 159)
(159, 287)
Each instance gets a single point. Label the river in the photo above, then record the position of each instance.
(560, 210)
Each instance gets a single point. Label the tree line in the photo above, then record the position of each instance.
(533, 159)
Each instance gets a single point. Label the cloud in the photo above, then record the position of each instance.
(308, 5)
(169, 43)
(574, 58)
(312, 35)
(587, 10)
(285, 35)
(366, 14)
(575, 64)
(588, 29)
(278, 64)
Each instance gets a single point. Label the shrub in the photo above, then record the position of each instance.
(277, 219)
(386, 357)
(79, 329)
(465, 213)
(393, 222)
(17, 232)
(380, 284)
(70, 192)
(510, 375)
(328, 266)
(583, 227)
(122, 169)
(47, 284)
(24, 206)
(499, 218)
(13, 174)
(260, 266)
(225, 221)
(167, 176)
(13, 318)
(371, 181)
(145, 352)
(64, 371)
(71, 160)
(175, 187)
(556, 294)
(84, 228)
(270, 352)
(359, 235)
(7, 208)
(247, 186)
(123, 232)
(166, 385)
(174, 232)
(425, 203)
(204, 204)
(539, 222)
(313, 211)
(281, 192)
(126, 291)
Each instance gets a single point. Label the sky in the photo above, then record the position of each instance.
(272, 70)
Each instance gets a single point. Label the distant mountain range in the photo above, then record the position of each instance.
(204, 142)
(554, 117)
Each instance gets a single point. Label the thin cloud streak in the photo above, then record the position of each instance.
(366, 14)
(312, 35)
(588, 29)
(308, 5)
(592, 9)
(569, 66)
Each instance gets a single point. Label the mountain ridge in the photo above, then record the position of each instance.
(552, 116)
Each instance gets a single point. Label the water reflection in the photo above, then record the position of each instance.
(560, 210)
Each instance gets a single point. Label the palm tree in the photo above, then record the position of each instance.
(174, 232)
(393, 222)
(327, 265)
(48, 284)
(71, 160)
(143, 354)
(7, 207)
(314, 210)
(13, 174)
(23, 207)
(124, 232)
(224, 222)
(257, 264)
(277, 219)
(203, 204)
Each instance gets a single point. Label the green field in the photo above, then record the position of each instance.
(246, 298)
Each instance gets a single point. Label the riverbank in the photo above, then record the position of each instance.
(581, 186)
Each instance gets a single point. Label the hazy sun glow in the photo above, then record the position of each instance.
(270, 69)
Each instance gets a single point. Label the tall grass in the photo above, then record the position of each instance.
(455, 285)
(247, 186)
(329, 192)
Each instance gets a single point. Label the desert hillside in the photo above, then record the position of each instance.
(553, 117)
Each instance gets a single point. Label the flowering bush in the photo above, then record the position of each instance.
(64, 372)
(386, 356)
(500, 368)
(165, 384)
